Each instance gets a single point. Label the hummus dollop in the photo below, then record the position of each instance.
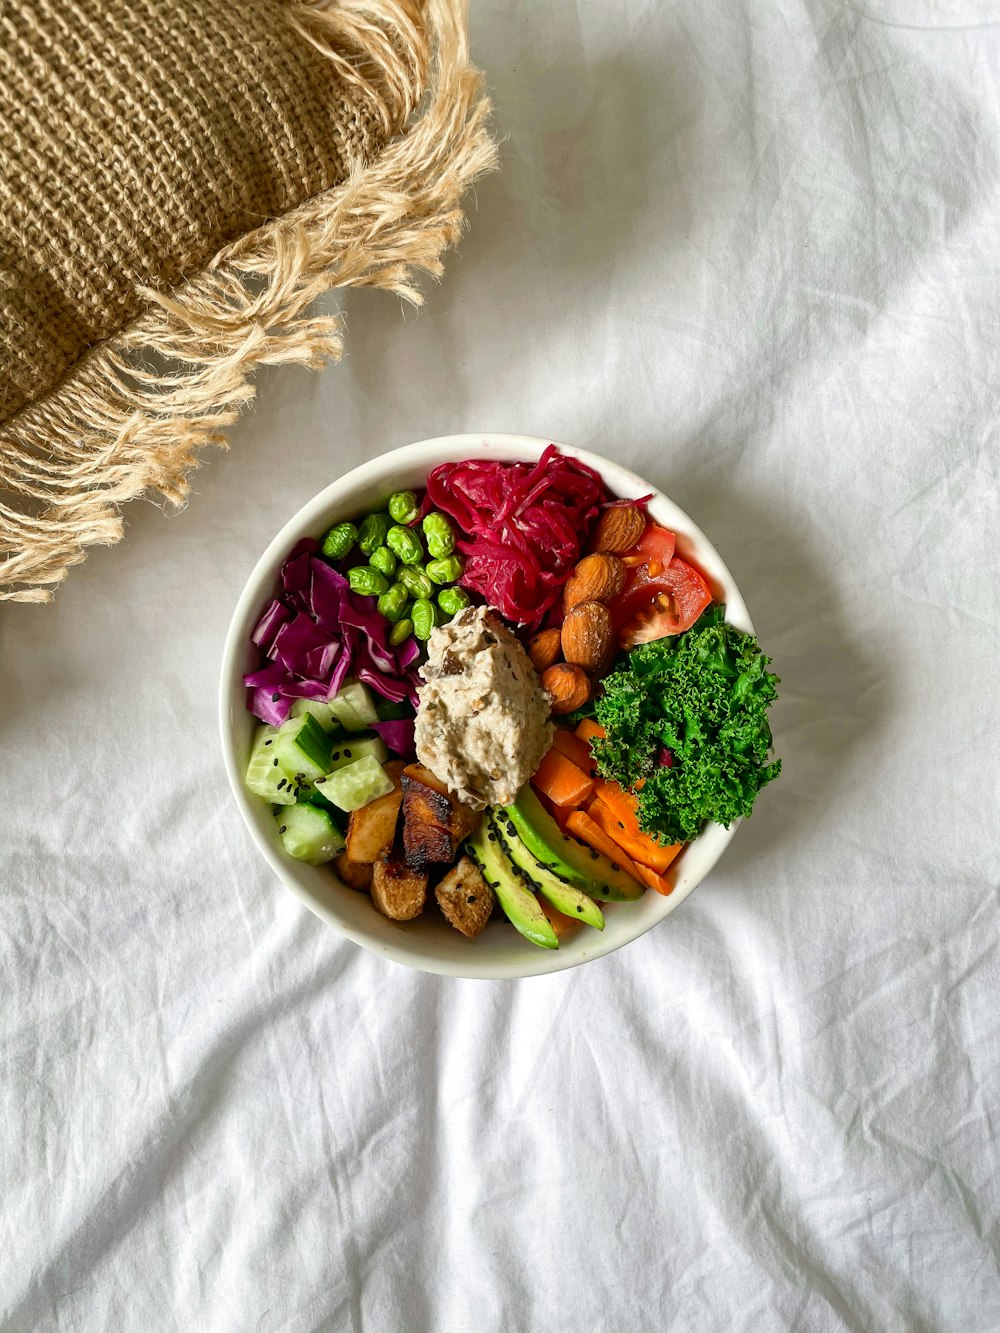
(483, 719)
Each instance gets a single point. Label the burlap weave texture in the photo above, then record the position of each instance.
(136, 146)
(179, 179)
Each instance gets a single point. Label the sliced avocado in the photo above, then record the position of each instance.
(519, 904)
(572, 902)
(568, 858)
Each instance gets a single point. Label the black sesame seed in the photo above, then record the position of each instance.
(275, 764)
(347, 754)
(283, 829)
(281, 784)
(275, 698)
(270, 742)
(615, 865)
(471, 898)
(594, 856)
(579, 908)
(620, 824)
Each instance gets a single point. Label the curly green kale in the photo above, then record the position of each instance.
(703, 696)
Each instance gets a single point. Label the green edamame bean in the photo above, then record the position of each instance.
(339, 540)
(367, 581)
(400, 632)
(405, 543)
(393, 602)
(415, 581)
(453, 600)
(424, 615)
(446, 570)
(373, 532)
(383, 560)
(440, 535)
(403, 506)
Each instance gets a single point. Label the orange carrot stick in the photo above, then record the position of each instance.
(627, 834)
(561, 781)
(658, 882)
(577, 751)
(583, 827)
(622, 802)
(589, 730)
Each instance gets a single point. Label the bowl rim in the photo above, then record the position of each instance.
(319, 512)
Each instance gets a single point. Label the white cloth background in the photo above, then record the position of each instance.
(752, 249)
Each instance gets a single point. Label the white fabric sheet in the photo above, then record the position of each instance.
(752, 249)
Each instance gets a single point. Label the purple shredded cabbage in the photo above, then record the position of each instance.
(398, 735)
(270, 677)
(407, 655)
(319, 661)
(316, 633)
(327, 593)
(269, 624)
(383, 659)
(305, 689)
(295, 641)
(361, 613)
(388, 686)
(341, 670)
(295, 571)
(270, 707)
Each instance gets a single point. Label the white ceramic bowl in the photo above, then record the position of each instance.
(430, 943)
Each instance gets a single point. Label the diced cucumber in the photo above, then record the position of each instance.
(356, 784)
(310, 796)
(308, 834)
(348, 749)
(265, 776)
(353, 707)
(302, 746)
(318, 709)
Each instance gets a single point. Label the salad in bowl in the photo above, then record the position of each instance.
(490, 695)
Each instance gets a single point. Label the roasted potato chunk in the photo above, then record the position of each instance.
(371, 830)
(434, 821)
(464, 820)
(353, 873)
(420, 773)
(465, 898)
(398, 891)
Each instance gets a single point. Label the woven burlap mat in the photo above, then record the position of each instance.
(179, 181)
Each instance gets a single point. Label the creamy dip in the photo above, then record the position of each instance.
(483, 720)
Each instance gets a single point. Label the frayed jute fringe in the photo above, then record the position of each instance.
(132, 413)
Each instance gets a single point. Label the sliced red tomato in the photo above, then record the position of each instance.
(651, 554)
(644, 564)
(653, 607)
(662, 594)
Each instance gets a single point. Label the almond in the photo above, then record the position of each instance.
(597, 578)
(543, 649)
(588, 639)
(618, 529)
(568, 686)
